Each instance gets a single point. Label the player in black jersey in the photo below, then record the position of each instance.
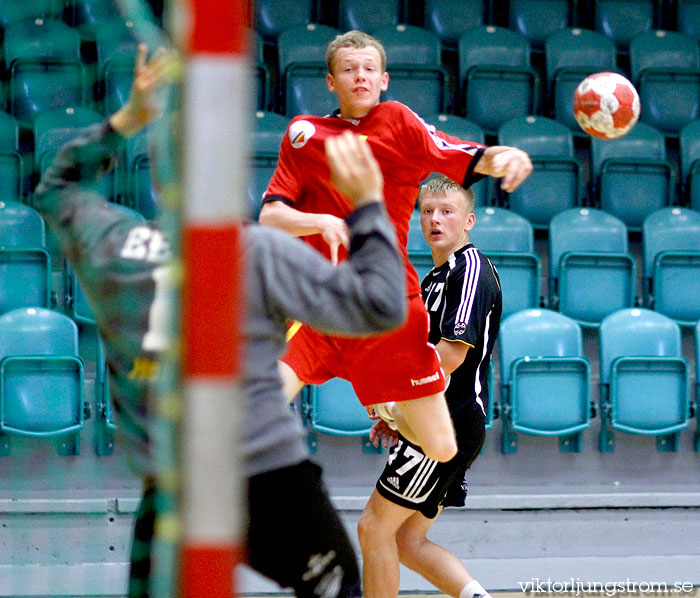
(463, 296)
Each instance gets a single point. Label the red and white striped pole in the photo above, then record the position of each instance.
(216, 107)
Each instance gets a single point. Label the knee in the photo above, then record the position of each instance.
(409, 544)
(372, 529)
(365, 527)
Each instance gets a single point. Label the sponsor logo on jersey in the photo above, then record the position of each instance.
(460, 328)
(427, 380)
(300, 132)
(394, 481)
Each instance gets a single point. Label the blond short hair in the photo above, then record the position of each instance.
(442, 185)
(354, 39)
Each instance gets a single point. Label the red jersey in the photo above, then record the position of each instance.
(406, 148)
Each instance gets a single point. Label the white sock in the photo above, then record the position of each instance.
(474, 590)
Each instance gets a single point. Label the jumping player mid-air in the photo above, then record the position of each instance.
(463, 296)
(122, 265)
(398, 373)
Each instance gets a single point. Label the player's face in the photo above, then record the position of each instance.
(445, 222)
(357, 80)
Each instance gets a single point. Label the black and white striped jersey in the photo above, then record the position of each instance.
(463, 299)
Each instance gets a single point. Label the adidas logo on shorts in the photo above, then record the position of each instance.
(394, 481)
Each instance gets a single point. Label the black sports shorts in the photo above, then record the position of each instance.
(296, 538)
(414, 481)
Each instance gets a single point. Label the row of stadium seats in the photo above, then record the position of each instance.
(495, 79)
(584, 244)
(25, 153)
(44, 67)
(84, 15)
(629, 177)
(545, 383)
(620, 20)
(592, 271)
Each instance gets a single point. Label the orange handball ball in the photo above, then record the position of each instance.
(606, 105)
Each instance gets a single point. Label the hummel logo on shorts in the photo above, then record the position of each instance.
(394, 481)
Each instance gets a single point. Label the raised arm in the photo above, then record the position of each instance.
(82, 160)
(142, 106)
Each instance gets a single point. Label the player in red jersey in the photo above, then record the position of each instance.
(399, 367)
(301, 200)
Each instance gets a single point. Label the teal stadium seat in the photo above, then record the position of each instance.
(556, 183)
(538, 19)
(496, 80)
(632, 175)
(591, 272)
(688, 18)
(104, 416)
(333, 408)
(13, 163)
(644, 378)
(665, 65)
(417, 77)
(12, 11)
(43, 66)
(263, 77)
(41, 379)
(545, 379)
(689, 144)
(25, 264)
(272, 17)
(621, 20)
(116, 45)
(302, 70)
(268, 131)
(671, 255)
(450, 18)
(463, 129)
(87, 16)
(570, 56)
(507, 239)
(368, 15)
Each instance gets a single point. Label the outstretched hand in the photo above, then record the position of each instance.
(142, 107)
(511, 164)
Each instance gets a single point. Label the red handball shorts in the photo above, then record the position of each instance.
(396, 366)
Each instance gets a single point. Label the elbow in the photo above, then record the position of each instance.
(265, 216)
